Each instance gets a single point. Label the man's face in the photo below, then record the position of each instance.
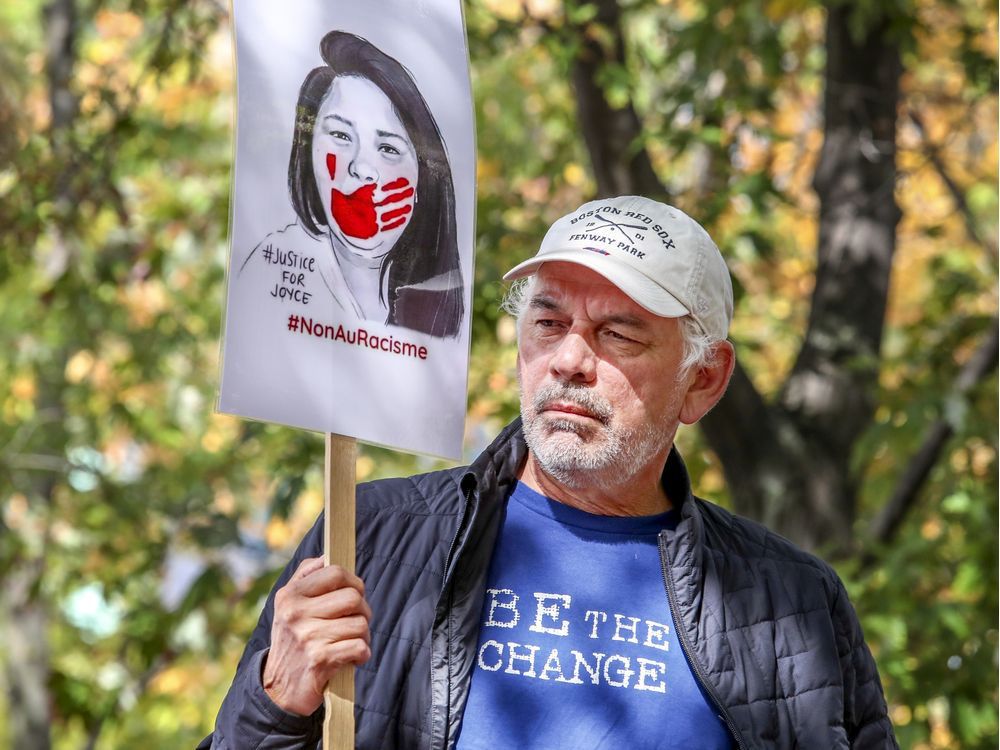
(365, 166)
(600, 395)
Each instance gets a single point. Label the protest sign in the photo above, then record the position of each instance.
(350, 270)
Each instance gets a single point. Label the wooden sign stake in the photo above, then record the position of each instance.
(338, 549)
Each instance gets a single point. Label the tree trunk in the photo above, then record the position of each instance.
(26, 659)
(25, 616)
(613, 135)
(803, 486)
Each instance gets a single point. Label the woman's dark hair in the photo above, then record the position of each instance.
(428, 247)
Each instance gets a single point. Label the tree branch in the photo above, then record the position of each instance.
(907, 490)
(39, 462)
(60, 60)
(933, 152)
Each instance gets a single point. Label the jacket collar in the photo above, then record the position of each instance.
(500, 462)
(676, 482)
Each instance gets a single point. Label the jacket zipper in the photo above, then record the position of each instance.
(693, 663)
(454, 539)
(447, 587)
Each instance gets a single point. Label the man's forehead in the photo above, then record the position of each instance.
(560, 286)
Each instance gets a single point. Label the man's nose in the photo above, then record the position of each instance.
(362, 168)
(574, 359)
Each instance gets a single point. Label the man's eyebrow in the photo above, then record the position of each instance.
(540, 302)
(624, 319)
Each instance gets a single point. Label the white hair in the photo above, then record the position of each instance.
(699, 347)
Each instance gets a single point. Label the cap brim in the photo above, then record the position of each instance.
(642, 290)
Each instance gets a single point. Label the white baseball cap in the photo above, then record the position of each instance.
(656, 254)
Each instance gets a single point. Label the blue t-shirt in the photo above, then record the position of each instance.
(576, 644)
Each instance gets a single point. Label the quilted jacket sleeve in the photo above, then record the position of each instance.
(248, 718)
(865, 714)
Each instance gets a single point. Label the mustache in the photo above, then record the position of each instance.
(595, 404)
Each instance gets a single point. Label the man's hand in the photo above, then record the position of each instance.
(320, 625)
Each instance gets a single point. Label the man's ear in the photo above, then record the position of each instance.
(708, 384)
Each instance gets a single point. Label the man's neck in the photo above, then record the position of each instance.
(639, 495)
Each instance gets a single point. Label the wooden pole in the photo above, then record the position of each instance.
(338, 549)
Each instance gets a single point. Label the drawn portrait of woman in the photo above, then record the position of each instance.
(371, 185)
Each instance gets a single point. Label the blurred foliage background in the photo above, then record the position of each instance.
(139, 530)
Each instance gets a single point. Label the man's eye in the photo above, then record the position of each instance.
(385, 148)
(614, 335)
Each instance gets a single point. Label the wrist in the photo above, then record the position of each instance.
(277, 690)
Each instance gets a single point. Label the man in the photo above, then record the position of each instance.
(567, 590)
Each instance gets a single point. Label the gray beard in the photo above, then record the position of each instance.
(587, 455)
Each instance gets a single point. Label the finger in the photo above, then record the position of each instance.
(327, 658)
(345, 602)
(341, 629)
(353, 651)
(329, 578)
(307, 566)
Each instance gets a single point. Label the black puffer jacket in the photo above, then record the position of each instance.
(768, 628)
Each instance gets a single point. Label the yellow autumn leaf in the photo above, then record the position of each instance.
(574, 174)
(24, 388)
(278, 533)
(79, 366)
(508, 10)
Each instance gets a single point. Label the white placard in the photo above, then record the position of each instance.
(351, 250)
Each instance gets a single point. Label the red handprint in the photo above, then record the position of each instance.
(358, 215)
(390, 218)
